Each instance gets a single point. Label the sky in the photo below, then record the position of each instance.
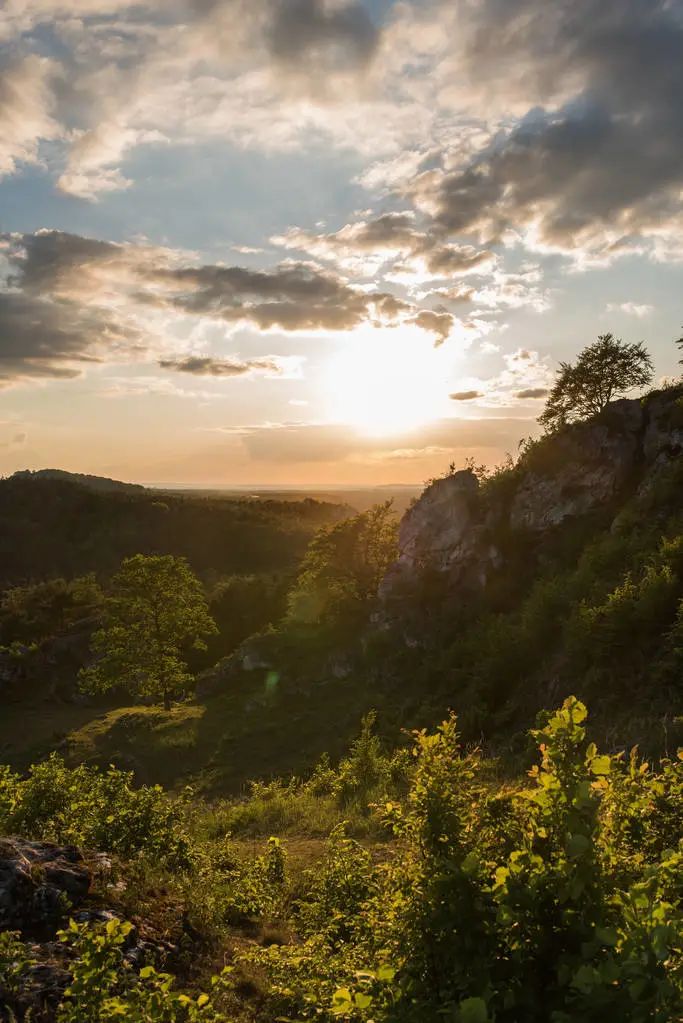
(325, 242)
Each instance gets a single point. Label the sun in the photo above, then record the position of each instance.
(387, 381)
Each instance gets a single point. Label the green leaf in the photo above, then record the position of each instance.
(577, 845)
(601, 765)
(362, 1000)
(473, 1010)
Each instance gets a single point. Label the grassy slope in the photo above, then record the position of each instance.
(219, 744)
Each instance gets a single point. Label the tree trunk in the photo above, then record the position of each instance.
(167, 700)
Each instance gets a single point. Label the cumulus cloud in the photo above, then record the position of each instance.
(593, 158)
(72, 299)
(365, 245)
(328, 36)
(439, 322)
(532, 393)
(292, 297)
(526, 376)
(40, 337)
(264, 72)
(92, 164)
(558, 123)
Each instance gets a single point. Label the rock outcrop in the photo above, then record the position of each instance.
(455, 527)
(39, 881)
(42, 886)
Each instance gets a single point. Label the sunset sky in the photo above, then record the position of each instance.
(318, 242)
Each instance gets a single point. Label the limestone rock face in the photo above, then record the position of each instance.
(440, 529)
(664, 432)
(589, 466)
(453, 529)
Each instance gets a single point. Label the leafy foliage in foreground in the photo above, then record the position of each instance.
(558, 902)
(105, 987)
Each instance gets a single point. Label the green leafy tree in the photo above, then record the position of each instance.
(155, 612)
(344, 565)
(605, 370)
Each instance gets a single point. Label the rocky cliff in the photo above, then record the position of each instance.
(454, 529)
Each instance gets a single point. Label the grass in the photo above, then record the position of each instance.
(218, 745)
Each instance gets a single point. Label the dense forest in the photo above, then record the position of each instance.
(52, 527)
(272, 760)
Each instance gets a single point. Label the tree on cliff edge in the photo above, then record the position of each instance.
(156, 610)
(603, 371)
(344, 565)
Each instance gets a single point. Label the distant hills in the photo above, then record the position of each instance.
(61, 524)
(100, 483)
(357, 498)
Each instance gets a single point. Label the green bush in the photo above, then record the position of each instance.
(98, 809)
(552, 903)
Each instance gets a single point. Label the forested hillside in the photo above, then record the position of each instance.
(51, 527)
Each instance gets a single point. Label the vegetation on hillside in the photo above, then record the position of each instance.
(343, 566)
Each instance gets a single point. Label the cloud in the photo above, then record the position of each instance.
(55, 339)
(301, 443)
(532, 392)
(26, 109)
(291, 297)
(466, 395)
(630, 309)
(76, 299)
(91, 168)
(554, 123)
(264, 72)
(593, 160)
(439, 323)
(205, 365)
(321, 36)
(365, 245)
(526, 375)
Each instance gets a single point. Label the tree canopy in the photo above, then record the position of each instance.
(603, 371)
(344, 565)
(156, 610)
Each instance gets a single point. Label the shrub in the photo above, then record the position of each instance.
(98, 809)
(557, 902)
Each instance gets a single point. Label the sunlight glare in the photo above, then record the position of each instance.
(387, 381)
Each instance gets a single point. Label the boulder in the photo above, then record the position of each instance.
(39, 882)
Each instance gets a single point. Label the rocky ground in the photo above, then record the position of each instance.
(42, 886)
